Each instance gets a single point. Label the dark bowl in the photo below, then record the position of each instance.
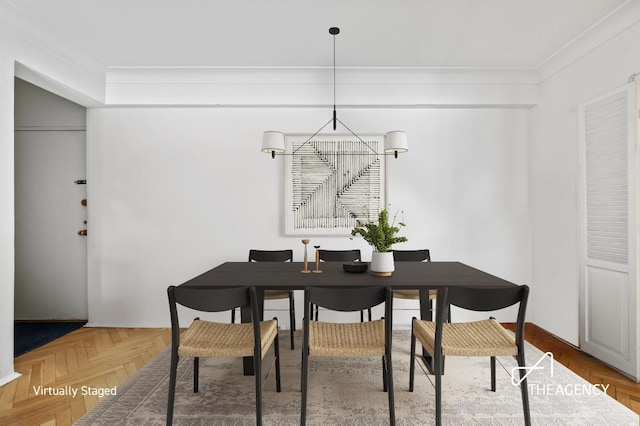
(355, 267)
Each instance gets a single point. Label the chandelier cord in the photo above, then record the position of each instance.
(335, 31)
(334, 82)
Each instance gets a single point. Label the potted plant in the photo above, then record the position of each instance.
(381, 236)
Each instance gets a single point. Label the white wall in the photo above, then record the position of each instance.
(56, 71)
(36, 108)
(176, 191)
(553, 178)
(6, 219)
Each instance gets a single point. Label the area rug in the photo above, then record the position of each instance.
(349, 392)
(29, 335)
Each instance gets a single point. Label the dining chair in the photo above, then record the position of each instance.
(275, 256)
(363, 339)
(220, 340)
(479, 338)
(421, 255)
(341, 256)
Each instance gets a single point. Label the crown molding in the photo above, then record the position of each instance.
(57, 87)
(607, 28)
(431, 86)
(309, 87)
(274, 75)
(47, 61)
(16, 21)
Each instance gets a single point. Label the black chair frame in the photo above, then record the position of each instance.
(275, 256)
(216, 300)
(481, 300)
(422, 255)
(341, 256)
(349, 299)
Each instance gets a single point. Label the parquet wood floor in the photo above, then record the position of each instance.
(106, 357)
(621, 388)
(93, 357)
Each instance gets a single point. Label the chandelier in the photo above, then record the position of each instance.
(394, 142)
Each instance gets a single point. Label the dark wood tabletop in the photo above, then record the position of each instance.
(287, 275)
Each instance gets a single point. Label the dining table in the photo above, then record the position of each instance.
(291, 276)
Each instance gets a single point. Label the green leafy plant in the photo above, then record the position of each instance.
(382, 235)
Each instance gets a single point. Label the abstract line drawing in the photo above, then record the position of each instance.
(331, 182)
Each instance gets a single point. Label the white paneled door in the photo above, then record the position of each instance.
(608, 222)
(51, 256)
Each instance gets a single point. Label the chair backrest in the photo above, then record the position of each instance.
(212, 299)
(346, 298)
(340, 255)
(209, 299)
(422, 255)
(487, 298)
(482, 299)
(270, 255)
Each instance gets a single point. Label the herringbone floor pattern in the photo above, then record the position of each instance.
(106, 357)
(93, 357)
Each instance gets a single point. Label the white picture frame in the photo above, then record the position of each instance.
(332, 182)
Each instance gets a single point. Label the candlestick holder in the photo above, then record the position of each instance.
(306, 259)
(317, 270)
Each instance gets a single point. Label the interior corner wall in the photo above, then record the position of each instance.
(177, 191)
(554, 177)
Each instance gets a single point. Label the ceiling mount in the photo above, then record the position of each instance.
(394, 142)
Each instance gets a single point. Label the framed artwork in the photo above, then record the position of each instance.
(331, 182)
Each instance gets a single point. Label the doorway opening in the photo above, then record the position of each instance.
(50, 207)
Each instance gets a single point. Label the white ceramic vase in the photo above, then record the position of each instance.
(382, 263)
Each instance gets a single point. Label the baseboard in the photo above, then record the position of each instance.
(9, 378)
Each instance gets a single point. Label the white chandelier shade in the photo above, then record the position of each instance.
(395, 142)
(273, 142)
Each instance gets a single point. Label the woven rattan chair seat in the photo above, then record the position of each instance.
(412, 294)
(220, 340)
(480, 338)
(361, 339)
(276, 294)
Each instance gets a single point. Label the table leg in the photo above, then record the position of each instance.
(426, 313)
(245, 316)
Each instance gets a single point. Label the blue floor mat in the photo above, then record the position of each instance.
(31, 335)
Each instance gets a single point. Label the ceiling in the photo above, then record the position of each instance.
(294, 33)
